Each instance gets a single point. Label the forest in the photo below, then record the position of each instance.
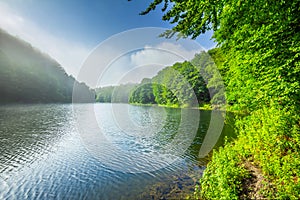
(180, 85)
(29, 76)
(114, 94)
(258, 57)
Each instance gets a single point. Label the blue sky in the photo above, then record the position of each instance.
(69, 30)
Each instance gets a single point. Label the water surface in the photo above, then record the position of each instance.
(135, 152)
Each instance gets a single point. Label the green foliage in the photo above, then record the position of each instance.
(261, 41)
(28, 76)
(180, 85)
(265, 66)
(269, 138)
(143, 94)
(209, 65)
(223, 176)
(190, 17)
(103, 94)
(114, 94)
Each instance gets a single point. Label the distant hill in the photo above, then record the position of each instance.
(29, 76)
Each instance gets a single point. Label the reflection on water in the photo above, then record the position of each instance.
(45, 155)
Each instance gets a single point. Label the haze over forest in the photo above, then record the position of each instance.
(30, 76)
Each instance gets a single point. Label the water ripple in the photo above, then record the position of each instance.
(43, 155)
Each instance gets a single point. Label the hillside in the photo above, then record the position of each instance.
(29, 76)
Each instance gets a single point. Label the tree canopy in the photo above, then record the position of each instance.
(179, 85)
(261, 40)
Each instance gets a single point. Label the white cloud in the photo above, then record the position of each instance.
(69, 54)
(145, 63)
(165, 53)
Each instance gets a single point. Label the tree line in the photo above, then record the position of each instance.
(186, 84)
(114, 94)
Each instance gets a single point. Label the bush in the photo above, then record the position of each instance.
(269, 138)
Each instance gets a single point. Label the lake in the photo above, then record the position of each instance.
(105, 151)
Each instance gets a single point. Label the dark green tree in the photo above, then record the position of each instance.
(143, 93)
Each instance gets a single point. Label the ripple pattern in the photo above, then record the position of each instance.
(43, 155)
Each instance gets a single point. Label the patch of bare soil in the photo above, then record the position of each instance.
(252, 185)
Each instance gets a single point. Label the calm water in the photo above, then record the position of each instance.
(100, 151)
